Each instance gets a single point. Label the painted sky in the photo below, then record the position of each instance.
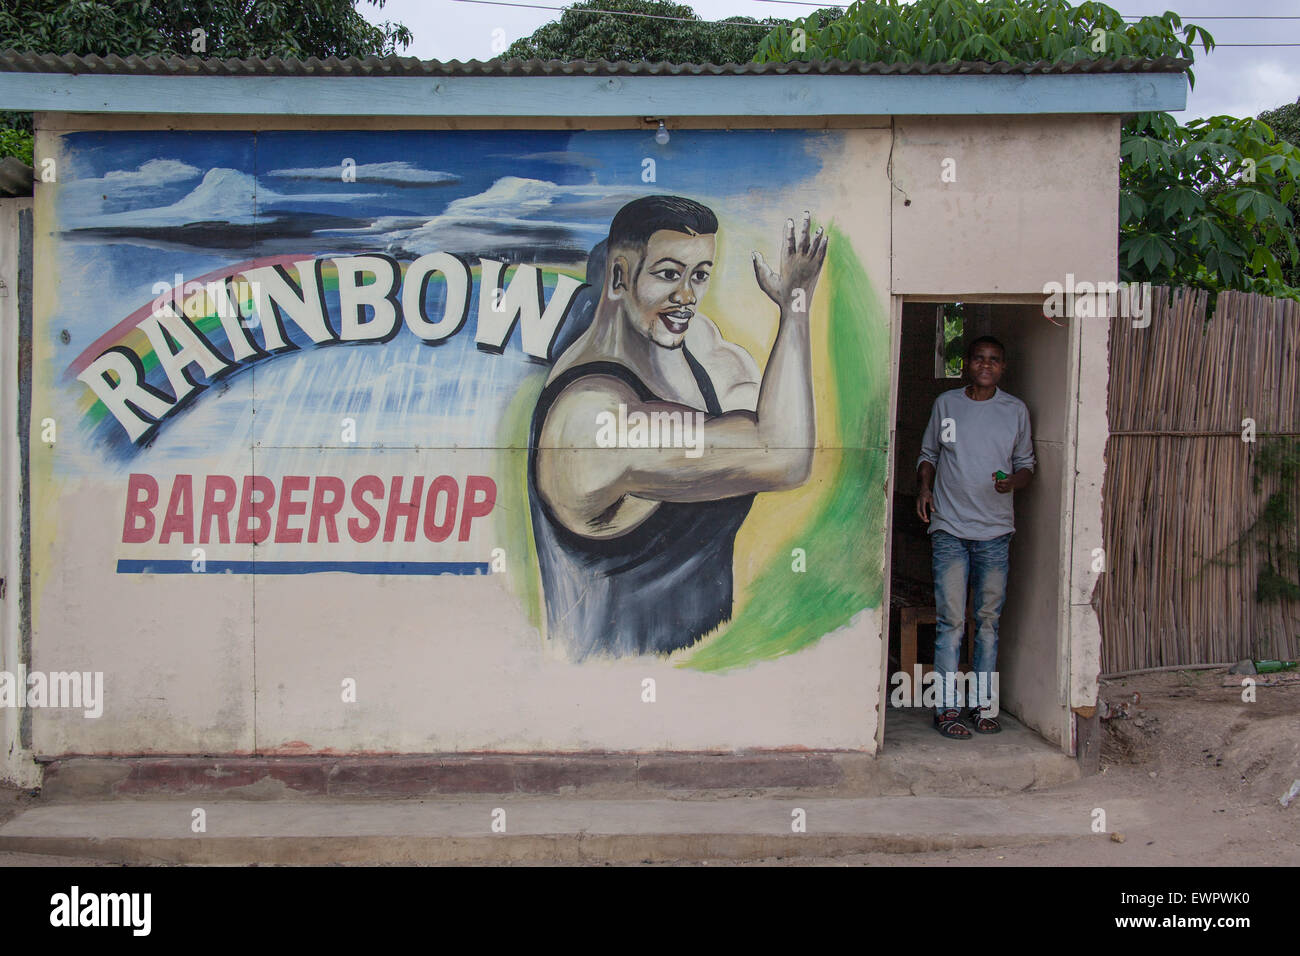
(528, 194)
(138, 209)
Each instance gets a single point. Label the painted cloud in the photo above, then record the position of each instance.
(224, 195)
(386, 174)
(516, 214)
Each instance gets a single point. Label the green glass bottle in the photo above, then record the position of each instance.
(1274, 667)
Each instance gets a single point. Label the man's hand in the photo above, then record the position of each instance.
(801, 265)
(925, 473)
(1019, 480)
(924, 502)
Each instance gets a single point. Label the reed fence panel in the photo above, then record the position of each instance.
(1178, 490)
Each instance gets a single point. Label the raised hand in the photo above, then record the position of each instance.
(801, 265)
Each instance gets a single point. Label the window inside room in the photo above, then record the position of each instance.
(949, 337)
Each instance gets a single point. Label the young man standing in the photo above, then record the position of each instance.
(977, 450)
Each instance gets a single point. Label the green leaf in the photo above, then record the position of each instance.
(1181, 201)
(1131, 207)
(1152, 250)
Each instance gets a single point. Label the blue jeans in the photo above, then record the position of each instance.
(985, 564)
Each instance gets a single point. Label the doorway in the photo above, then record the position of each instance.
(1033, 633)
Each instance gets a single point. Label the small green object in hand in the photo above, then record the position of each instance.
(999, 475)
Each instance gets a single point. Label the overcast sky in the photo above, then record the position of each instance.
(1238, 81)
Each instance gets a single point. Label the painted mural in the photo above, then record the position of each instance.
(635, 545)
(646, 384)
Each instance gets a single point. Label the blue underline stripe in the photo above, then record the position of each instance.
(125, 566)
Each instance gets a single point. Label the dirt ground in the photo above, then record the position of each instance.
(1210, 766)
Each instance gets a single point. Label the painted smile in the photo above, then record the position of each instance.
(676, 320)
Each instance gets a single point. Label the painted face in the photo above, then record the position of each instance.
(668, 285)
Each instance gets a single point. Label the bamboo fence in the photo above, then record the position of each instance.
(1178, 488)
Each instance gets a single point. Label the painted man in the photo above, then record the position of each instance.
(635, 543)
(976, 451)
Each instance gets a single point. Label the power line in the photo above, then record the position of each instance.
(1149, 16)
(616, 13)
(768, 26)
(842, 6)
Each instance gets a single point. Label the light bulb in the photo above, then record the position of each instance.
(661, 134)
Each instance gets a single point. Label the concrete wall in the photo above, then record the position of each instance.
(989, 204)
(342, 647)
(234, 662)
(16, 766)
(1089, 426)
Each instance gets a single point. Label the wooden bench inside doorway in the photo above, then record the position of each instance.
(910, 615)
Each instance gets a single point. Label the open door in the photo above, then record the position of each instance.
(1033, 635)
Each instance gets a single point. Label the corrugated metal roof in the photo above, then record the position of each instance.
(13, 61)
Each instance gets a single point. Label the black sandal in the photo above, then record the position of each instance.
(982, 725)
(949, 724)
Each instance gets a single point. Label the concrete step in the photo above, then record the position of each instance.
(914, 761)
(551, 830)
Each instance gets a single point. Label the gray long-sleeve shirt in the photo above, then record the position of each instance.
(967, 441)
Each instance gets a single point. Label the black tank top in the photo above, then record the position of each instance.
(661, 586)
